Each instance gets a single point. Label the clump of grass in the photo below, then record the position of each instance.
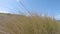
(30, 25)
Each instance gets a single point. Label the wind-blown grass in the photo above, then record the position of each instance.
(19, 24)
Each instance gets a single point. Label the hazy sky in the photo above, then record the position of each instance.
(50, 7)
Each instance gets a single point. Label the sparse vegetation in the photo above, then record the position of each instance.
(28, 25)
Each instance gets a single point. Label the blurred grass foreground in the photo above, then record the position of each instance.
(20, 24)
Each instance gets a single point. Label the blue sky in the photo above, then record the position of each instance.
(50, 7)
